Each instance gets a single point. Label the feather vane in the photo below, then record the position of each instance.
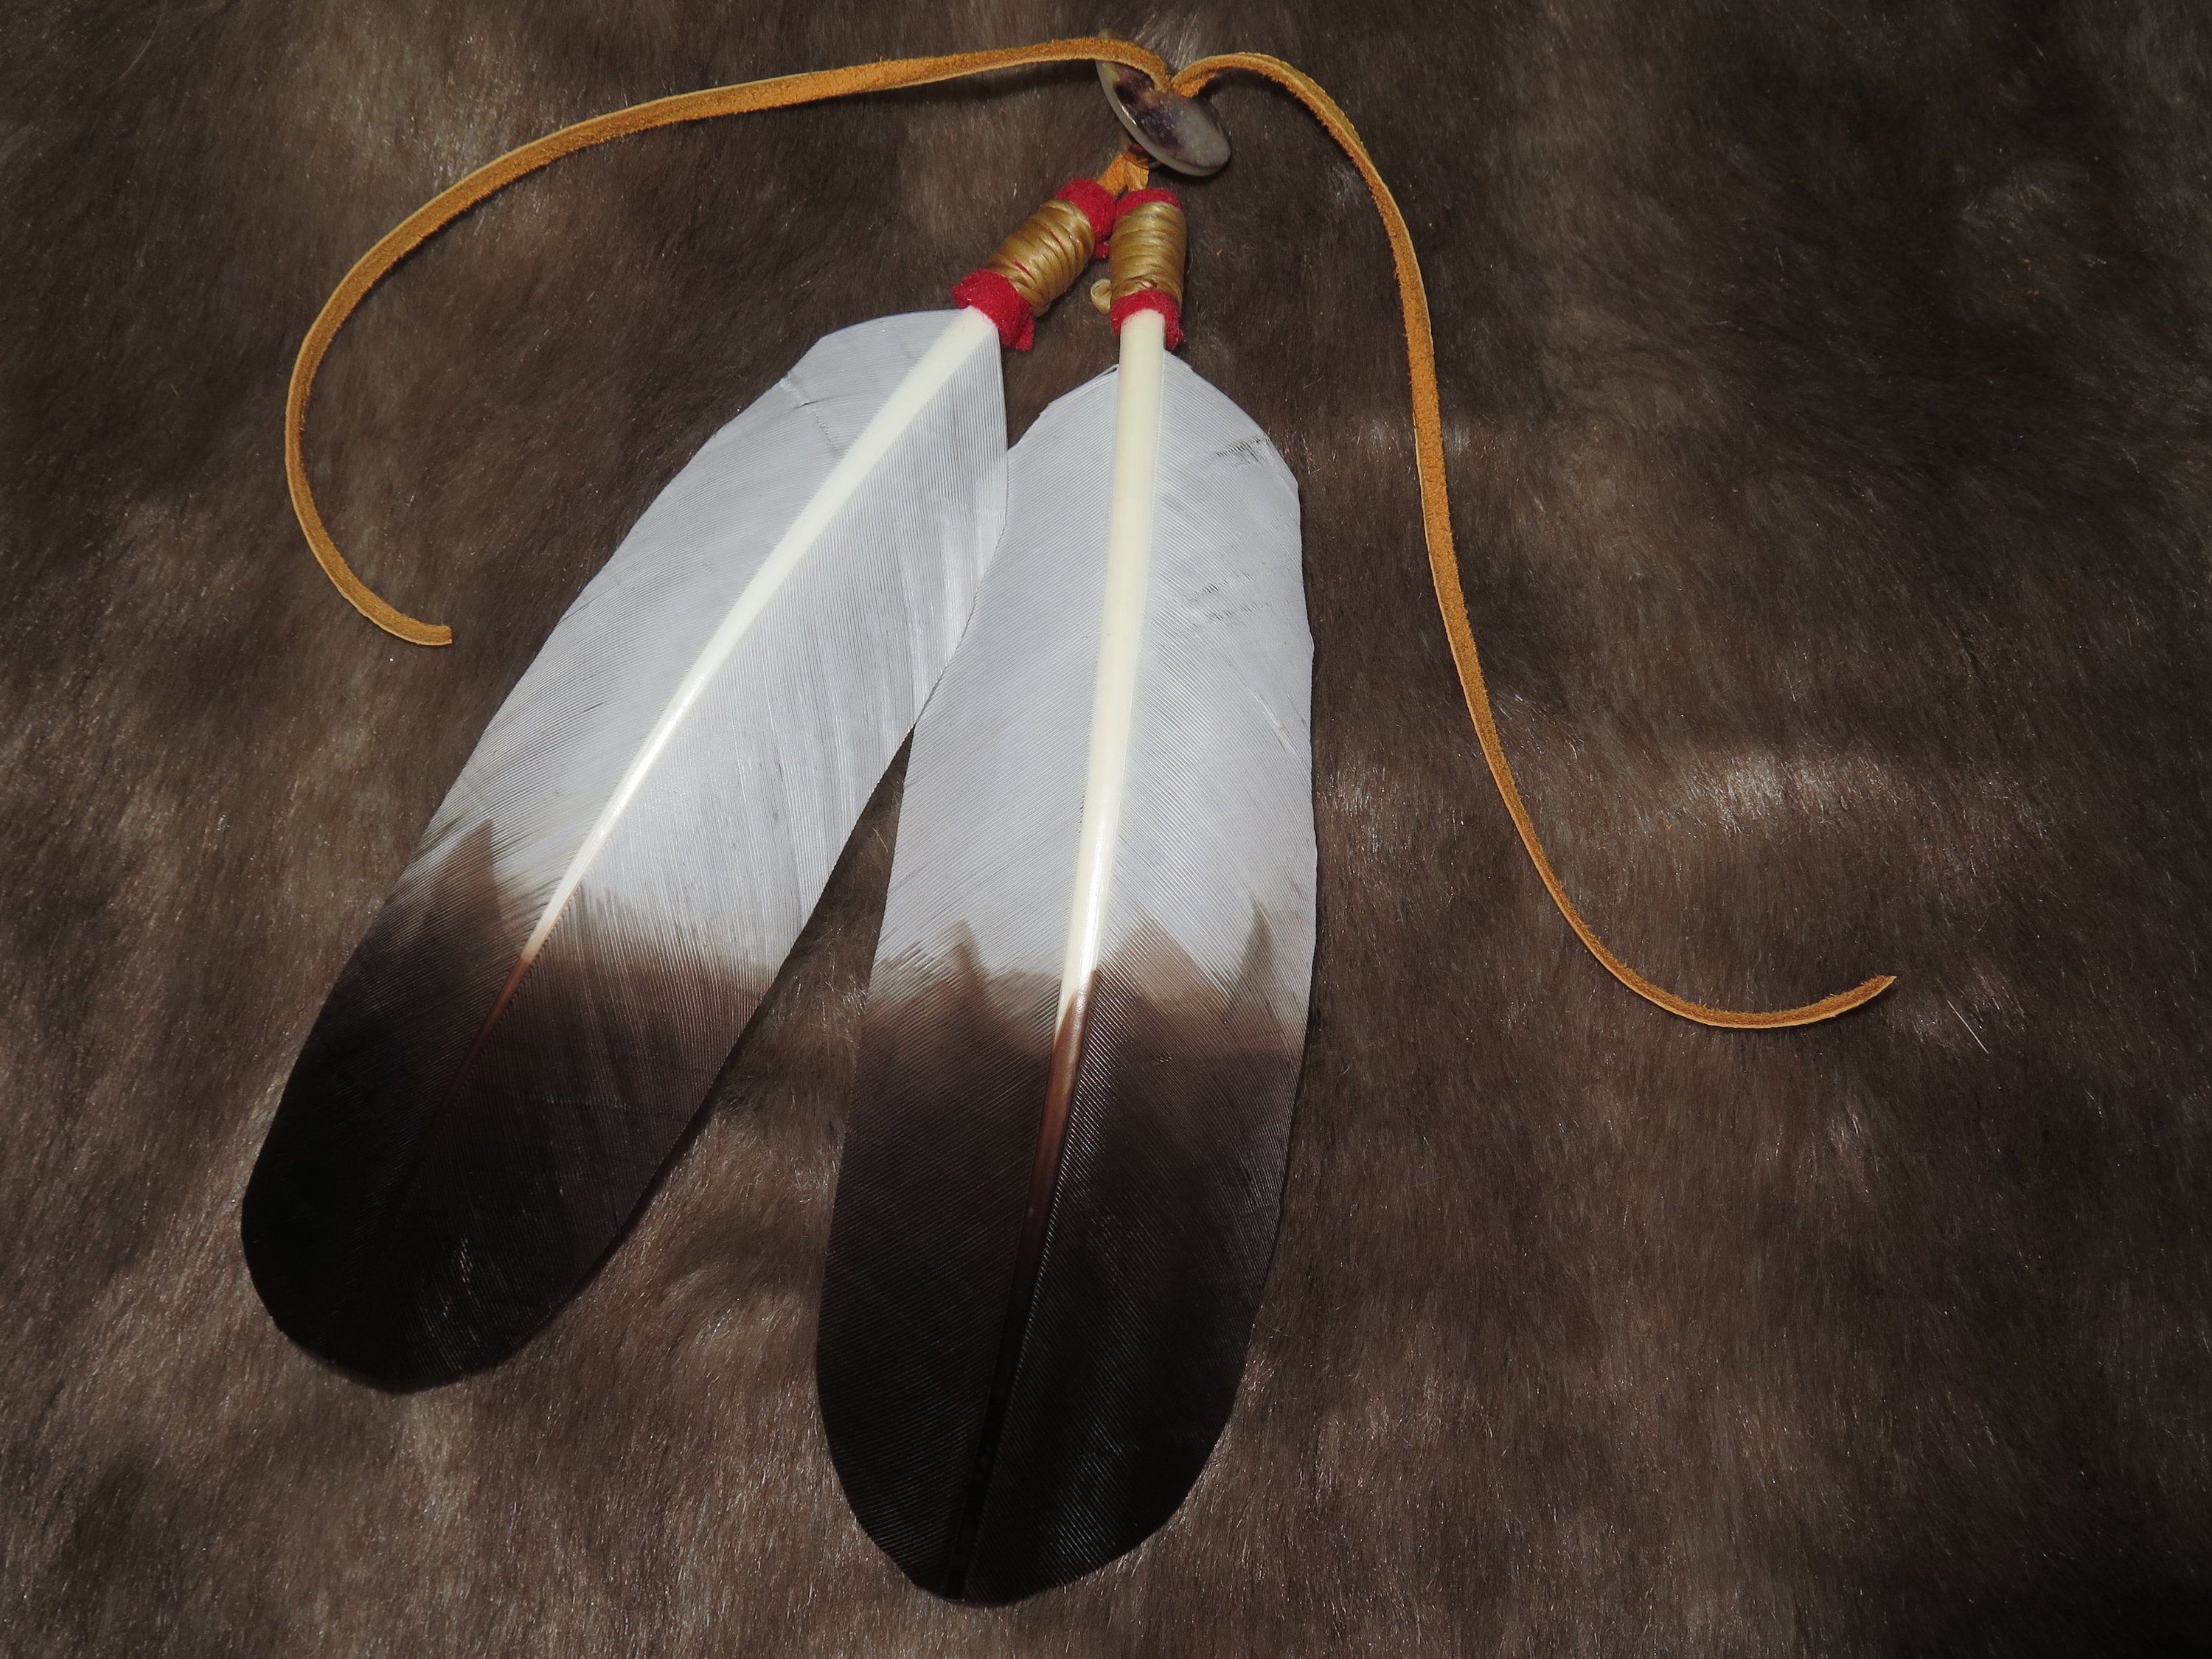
(540, 1007)
(1064, 1164)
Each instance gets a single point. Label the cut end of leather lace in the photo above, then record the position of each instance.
(1443, 557)
(1130, 169)
(778, 92)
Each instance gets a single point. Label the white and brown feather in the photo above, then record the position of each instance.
(1054, 1213)
(470, 1126)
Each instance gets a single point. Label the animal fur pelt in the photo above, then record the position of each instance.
(1829, 389)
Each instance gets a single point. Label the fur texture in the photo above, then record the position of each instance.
(1829, 391)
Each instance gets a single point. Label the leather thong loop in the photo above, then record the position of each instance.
(819, 85)
(780, 93)
(1443, 557)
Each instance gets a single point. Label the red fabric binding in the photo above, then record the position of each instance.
(1150, 299)
(994, 296)
(1097, 203)
(1155, 193)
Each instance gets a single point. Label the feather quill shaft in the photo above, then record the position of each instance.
(1113, 701)
(539, 1009)
(1113, 707)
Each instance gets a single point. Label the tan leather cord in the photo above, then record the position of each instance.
(1443, 559)
(1126, 171)
(1131, 169)
(448, 205)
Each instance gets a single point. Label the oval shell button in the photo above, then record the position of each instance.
(1175, 131)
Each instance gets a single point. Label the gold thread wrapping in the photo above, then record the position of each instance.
(1046, 254)
(1147, 250)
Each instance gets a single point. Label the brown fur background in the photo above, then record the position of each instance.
(1830, 393)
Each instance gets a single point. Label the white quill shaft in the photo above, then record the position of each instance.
(1114, 697)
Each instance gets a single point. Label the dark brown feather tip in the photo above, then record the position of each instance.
(1009, 1408)
(423, 1206)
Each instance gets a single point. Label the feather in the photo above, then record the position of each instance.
(540, 1007)
(1062, 1173)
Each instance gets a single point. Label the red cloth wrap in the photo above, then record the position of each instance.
(994, 296)
(1150, 299)
(1097, 204)
(1152, 194)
